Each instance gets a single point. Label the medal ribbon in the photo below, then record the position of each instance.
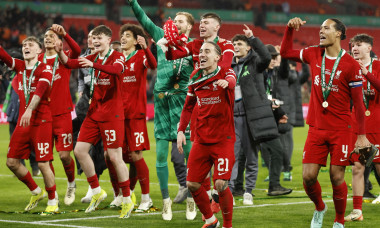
(130, 55)
(195, 79)
(92, 72)
(55, 66)
(25, 87)
(326, 89)
(365, 98)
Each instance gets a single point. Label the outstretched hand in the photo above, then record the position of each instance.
(142, 42)
(296, 23)
(247, 31)
(58, 29)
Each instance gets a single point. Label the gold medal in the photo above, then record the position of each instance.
(161, 95)
(367, 113)
(89, 101)
(325, 104)
(176, 86)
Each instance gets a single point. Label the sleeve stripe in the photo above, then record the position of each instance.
(44, 79)
(355, 84)
(190, 94)
(120, 64)
(188, 52)
(13, 64)
(144, 62)
(301, 53)
(228, 51)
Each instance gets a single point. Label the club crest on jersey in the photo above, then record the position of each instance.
(316, 80)
(20, 86)
(215, 86)
(338, 74)
(132, 67)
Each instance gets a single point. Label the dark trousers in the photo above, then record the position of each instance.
(273, 156)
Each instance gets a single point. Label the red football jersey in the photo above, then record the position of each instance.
(107, 102)
(337, 116)
(133, 89)
(194, 46)
(373, 120)
(42, 74)
(215, 112)
(60, 98)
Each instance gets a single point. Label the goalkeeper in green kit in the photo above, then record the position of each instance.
(170, 93)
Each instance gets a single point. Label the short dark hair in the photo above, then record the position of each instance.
(49, 29)
(212, 15)
(241, 37)
(339, 26)
(365, 38)
(33, 39)
(189, 17)
(102, 29)
(136, 31)
(218, 50)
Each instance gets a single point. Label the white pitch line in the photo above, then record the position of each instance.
(44, 224)
(183, 211)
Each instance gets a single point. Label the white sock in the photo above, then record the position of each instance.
(52, 202)
(127, 199)
(36, 191)
(71, 184)
(96, 190)
(56, 195)
(145, 197)
(210, 220)
(167, 200)
(89, 192)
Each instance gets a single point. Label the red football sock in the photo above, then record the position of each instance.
(226, 203)
(51, 192)
(132, 182)
(203, 202)
(207, 184)
(113, 177)
(125, 188)
(29, 181)
(70, 170)
(143, 175)
(52, 167)
(93, 181)
(315, 194)
(340, 200)
(358, 201)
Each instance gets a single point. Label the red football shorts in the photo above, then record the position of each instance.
(63, 132)
(136, 135)
(373, 138)
(111, 133)
(34, 137)
(320, 143)
(203, 156)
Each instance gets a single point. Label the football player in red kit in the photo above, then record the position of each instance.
(61, 104)
(33, 132)
(211, 88)
(138, 58)
(336, 79)
(361, 46)
(105, 117)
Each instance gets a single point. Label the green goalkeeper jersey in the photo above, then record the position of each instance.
(172, 75)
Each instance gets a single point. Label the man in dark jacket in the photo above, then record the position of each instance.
(276, 91)
(253, 116)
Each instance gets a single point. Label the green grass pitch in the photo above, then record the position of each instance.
(294, 210)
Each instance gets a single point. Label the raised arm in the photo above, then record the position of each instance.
(172, 53)
(151, 62)
(8, 60)
(154, 31)
(75, 49)
(287, 50)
